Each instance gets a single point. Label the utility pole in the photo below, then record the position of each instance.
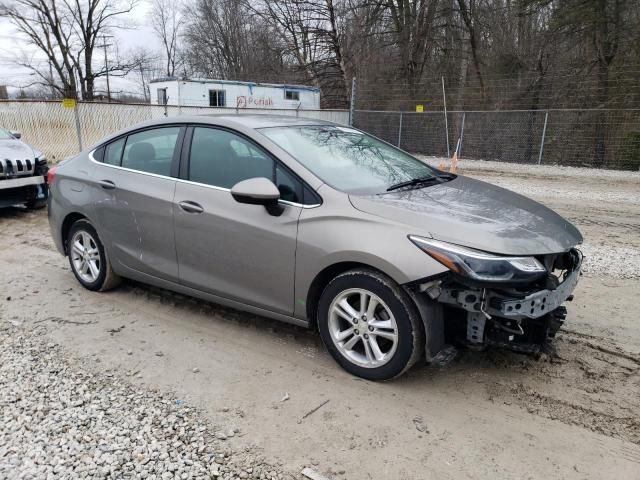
(106, 63)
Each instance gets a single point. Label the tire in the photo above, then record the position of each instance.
(396, 328)
(34, 203)
(105, 279)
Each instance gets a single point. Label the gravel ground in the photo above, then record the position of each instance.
(60, 420)
(611, 260)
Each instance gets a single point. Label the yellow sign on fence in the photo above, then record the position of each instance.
(69, 102)
(419, 108)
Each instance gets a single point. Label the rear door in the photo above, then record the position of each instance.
(233, 250)
(135, 202)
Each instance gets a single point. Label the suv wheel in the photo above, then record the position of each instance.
(35, 204)
(88, 258)
(36, 200)
(369, 325)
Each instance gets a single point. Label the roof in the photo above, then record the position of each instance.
(250, 120)
(247, 120)
(235, 82)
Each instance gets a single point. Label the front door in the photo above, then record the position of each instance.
(233, 250)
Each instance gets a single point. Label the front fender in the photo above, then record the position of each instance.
(326, 239)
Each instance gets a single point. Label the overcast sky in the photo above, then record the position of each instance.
(138, 34)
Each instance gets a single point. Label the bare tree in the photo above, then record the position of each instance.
(67, 32)
(149, 66)
(167, 22)
(468, 13)
(313, 33)
(224, 40)
(412, 28)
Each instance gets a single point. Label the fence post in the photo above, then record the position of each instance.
(78, 132)
(400, 131)
(544, 132)
(352, 106)
(179, 102)
(446, 122)
(464, 116)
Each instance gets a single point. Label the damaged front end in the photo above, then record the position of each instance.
(494, 300)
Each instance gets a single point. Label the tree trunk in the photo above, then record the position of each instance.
(601, 126)
(343, 83)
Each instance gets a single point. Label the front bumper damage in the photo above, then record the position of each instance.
(523, 319)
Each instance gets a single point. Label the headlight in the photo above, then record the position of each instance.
(481, 266)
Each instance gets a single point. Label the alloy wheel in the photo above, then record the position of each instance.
(85, 256)
(363, 328)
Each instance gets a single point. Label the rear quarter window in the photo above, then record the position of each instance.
(113, 152)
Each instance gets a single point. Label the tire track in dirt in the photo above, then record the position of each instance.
(590, 385)
(536, 403)
(634, 227)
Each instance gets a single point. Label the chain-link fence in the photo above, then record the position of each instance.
(59, 131)
(594, 138)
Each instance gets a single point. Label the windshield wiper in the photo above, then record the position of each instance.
(413, 182)
(446, 175)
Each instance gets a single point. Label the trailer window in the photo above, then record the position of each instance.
(216, 98)
(291, 94)
(162, 96)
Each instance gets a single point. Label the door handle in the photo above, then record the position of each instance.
(107, 184)
(191, 207)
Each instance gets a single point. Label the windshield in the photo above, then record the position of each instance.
(347, 159)
(4, 134)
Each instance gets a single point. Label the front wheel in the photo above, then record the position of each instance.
(369, 325)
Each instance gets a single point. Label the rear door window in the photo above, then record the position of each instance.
(151, 151)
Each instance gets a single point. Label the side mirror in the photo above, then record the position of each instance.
(258, 191)
(16, 134)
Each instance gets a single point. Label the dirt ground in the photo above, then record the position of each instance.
(487, 415)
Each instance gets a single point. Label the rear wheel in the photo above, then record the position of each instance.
(88, 258)
(369, 325)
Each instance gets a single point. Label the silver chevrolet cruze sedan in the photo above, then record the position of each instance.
(319, 225)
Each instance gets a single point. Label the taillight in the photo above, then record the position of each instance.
(50, 175)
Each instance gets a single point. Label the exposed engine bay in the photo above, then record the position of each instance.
(520, 317)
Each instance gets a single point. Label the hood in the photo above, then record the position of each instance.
(13, 149)
(475, 214)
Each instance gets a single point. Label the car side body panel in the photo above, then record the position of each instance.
(69, 195)
(356, 237)
(235, 250)
(139, 216)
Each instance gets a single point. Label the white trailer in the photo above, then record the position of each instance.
(200, 92)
